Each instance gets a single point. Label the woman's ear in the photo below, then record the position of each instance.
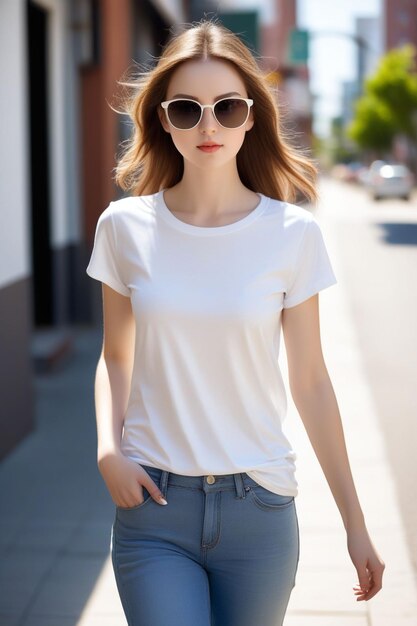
(250, 122)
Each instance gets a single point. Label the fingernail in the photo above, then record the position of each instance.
(162, 500)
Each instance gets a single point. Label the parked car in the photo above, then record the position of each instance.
(368, 172)
(354, 169)
(348, 172)
(389, 180)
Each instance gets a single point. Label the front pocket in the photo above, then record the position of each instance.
(146, 497)
(155, 474)
(266, 499)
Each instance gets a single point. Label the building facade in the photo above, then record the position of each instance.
(400, 23)
(369, 34)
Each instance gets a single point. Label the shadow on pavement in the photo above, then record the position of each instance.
(56, 512)
(403, 233)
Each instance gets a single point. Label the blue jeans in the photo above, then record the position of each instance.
(220, 553)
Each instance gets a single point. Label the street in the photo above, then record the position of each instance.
(377, 246)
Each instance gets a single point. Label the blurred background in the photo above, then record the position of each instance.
(347, 80)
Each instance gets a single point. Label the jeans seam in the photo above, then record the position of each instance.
(213, 544)
(119, 580)
(298, 541)
(219, 526)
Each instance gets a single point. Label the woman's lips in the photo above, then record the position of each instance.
(208, 148)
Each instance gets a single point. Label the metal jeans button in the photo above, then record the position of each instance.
(210, 479)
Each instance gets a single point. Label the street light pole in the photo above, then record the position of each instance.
(363, 48)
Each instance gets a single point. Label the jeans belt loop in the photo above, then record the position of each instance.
(239, 484)
(163, 483)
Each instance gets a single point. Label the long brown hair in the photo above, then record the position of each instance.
(266, 162)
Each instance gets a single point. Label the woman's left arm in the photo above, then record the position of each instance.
(314, 397)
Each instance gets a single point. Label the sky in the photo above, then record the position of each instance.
(332, 59)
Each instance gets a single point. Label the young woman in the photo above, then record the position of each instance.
(201, 264)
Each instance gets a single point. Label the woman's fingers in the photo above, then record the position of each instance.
(376, 582)
(364, 578)
(125, 480)
(370, 584)
(369, 565)
(154, 491)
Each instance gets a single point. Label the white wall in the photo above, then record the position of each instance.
(63, 103)
(63, 120)
(14, 188)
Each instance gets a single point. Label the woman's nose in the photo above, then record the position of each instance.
(208, 121)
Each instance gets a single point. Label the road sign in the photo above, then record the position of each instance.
(298, 49)
(245, 24)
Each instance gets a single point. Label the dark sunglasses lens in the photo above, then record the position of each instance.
(231, 112)
(183, 114)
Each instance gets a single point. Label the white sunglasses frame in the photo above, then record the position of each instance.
(165, 104)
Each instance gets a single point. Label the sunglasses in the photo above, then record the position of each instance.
(185, 114)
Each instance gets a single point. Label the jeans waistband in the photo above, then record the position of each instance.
(206, 483)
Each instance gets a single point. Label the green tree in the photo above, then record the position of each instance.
(389, 103)
(373, 126)
(395, 84)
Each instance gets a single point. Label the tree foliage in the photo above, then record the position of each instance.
(389, 103)
(373, 126)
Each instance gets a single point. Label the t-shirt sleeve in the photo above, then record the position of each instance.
(313, 270)
(105, 261)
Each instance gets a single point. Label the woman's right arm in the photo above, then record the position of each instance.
(124, 478)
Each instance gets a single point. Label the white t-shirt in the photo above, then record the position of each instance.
(207, 395)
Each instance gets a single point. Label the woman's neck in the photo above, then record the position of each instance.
(209, 197)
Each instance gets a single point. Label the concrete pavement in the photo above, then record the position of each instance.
(56, 513)
(323, 595)
(55, 510)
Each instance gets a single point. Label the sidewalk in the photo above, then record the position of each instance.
(323, 595)
(56, 513)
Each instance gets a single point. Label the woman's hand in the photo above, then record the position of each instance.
(124, 479)
(367, 562)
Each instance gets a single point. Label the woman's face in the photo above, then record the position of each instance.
(206, 81)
